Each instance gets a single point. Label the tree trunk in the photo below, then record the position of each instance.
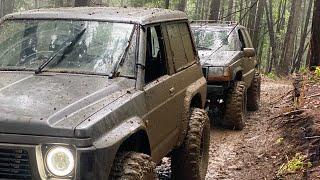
(292, 28)
(273, 44)
(315, 40)
(6, 7)
(252, 17)
(230, 10)
(304, 34)
(257, 26)
(214, 12)
(182, 5)
(167, 3)
(222, 10)
(79, 3)
(241, 10)
(58, 3)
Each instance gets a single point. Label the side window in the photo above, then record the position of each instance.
(241, 38)
(187, 42)
(181, 45)
(247, 39)
(178, 54)
(156, 65)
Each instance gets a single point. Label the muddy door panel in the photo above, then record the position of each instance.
(162, 122)
(250, 61)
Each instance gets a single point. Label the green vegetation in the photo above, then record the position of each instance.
(317, 72)
(272, 75)
(279, 141)
(296, 164)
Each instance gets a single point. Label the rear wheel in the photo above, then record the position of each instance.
(132, 166)
(190, 161)
(235, 111)
(253, 100)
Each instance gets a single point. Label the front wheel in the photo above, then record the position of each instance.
(132, 166)
(235, 111)
(190, 161)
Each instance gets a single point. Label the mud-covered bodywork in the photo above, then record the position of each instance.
(222, 49)
(80, 97)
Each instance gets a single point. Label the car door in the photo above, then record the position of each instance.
(248, 63)
(160, 95)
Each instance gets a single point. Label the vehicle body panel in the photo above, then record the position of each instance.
(95, 114)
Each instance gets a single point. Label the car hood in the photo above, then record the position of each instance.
(219, 58)
(54, 104)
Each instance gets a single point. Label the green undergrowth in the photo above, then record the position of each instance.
(297, 164)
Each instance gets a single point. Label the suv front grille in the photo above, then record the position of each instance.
(14, 164)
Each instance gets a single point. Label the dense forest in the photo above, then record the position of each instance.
(285, 33)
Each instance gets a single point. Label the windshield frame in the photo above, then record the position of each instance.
(135, 29)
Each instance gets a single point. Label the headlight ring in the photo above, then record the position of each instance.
(60, 161)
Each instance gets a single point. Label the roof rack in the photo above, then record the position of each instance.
(213, 22)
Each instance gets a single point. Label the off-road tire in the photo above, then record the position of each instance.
(253, 99)
(132, 166)
(235, 111)
(190, 161)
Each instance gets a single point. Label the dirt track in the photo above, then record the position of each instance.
(249, 154)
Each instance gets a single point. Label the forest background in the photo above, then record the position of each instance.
(285, 33)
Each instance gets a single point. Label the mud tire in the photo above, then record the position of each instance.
(190, 161)
(235, 111)
(254, 91)
(132, 166)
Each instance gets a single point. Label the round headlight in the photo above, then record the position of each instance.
(60, 161)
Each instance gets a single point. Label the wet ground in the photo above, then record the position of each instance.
(253, 152)
(246, 154)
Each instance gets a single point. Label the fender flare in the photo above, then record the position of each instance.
(108, 145)
(120, 133)
(198, 87)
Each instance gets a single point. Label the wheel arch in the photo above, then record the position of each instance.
(238, 75)
(195, 96)
(137, 142)
(196, 101)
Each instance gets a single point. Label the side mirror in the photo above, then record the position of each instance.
(249, 52)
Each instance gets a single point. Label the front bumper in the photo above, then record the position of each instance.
(22, 161)
(215, 89)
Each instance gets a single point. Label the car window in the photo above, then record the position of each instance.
(247, 39)
(187, 42)
(241, 38)
(156, 65)
(25, 44)
(215, 39)
(177, 49)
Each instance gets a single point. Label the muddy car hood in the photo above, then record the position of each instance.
(219, 58)
(53, 104)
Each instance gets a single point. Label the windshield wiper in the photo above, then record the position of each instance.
(203, 48)
(66, 49)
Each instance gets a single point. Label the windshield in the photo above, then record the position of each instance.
(214, 39)
(26, 44)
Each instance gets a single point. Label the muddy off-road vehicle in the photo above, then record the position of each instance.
(229, 64)
(100, 93)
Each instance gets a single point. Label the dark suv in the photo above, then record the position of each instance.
(100, 93)
(229, 63)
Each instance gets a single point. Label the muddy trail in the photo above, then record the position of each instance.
(280, 141)
(252, 153)
(249, 154)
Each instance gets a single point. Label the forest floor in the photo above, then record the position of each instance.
(280, 141)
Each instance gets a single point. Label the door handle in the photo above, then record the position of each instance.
(172, 90)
